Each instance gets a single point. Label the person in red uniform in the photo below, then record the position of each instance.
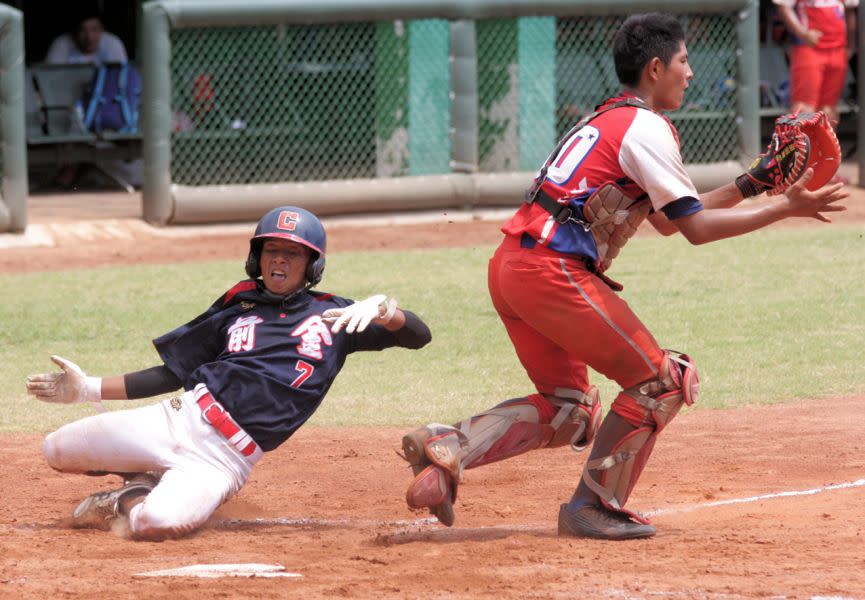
(822, 32)
(548, 283)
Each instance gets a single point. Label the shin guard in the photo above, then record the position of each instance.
(516, 426)
(439, 453)
(648, 408)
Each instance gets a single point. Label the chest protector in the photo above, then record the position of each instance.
(609, 215)
(612, 218)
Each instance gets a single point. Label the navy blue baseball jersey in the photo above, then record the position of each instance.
(270, 365)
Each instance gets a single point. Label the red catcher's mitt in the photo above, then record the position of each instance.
(825, 154)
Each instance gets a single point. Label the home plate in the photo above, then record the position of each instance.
(227, 570)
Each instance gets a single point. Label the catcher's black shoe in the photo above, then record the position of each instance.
(444, 512)
(595, 521)
(97, 511)
(414, 454)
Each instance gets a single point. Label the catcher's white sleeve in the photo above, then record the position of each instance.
(650, 156)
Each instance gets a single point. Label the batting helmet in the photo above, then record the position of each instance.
(295, 224)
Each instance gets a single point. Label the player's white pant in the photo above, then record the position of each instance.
(202, 469)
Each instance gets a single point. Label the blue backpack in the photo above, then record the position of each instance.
(111, 101)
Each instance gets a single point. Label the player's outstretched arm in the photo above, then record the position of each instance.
(72, 385)
(710, 225)
(410, 330)
(726, 196)
(356, 317)
(801, 202)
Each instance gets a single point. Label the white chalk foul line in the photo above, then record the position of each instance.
(225, 570)
(310, 522)
(819, 490)
(405, 525)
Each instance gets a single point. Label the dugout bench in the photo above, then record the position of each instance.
(55, 132)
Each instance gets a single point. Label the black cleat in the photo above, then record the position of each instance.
(594, 521)
(444, 512)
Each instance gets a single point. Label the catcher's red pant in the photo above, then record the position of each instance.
(817, 75)
(561, 318)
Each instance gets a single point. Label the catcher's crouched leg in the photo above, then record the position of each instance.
(439, 453)
(623, 448)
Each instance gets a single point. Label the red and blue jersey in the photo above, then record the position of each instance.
(825, 16)
(270, 365)
(635, 148)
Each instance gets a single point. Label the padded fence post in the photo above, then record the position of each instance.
(158, 204)
(464, 97)
(747, 93)
(13, 203)
(860, 93)
(499, 95)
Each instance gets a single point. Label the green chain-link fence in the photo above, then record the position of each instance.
(280, 103)
(359, 100)
(707, 120)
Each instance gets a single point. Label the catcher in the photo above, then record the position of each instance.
(548, 282)
(254, 367)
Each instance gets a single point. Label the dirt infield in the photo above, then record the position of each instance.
(328, 505)
(760, 502)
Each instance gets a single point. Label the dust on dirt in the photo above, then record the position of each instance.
(743, 500)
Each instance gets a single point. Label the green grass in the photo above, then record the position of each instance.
(769, 317)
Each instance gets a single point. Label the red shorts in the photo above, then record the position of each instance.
(817, 76)
(562, 318)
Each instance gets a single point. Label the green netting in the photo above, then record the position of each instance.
(356, 100)
(280, 103)
(585, 76)
(707, 121)
(264, 104)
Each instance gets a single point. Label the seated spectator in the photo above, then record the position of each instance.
(86, 42)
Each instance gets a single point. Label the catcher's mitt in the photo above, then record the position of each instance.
(825, 155)
(800, 141)
(780, 166)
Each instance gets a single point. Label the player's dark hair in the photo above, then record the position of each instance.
(642, 38)
(82, 11)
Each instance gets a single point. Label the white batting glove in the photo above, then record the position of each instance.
(357, 316)
(69, 387)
